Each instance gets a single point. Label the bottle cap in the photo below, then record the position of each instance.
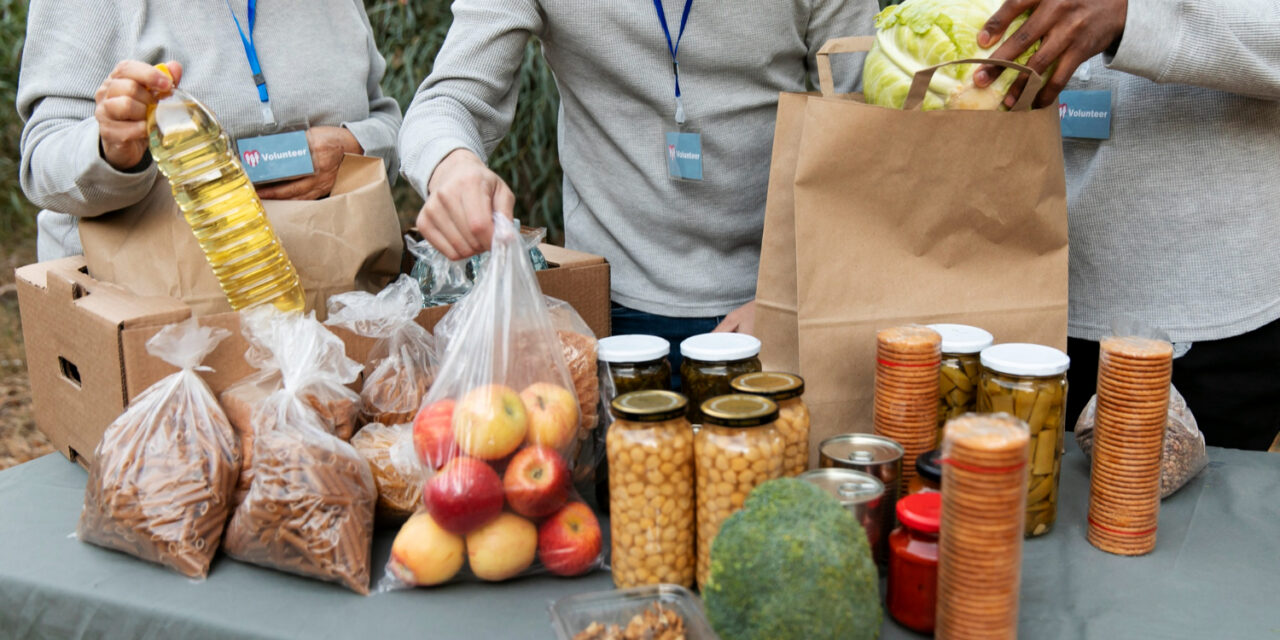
(633, 348)
(921, 511)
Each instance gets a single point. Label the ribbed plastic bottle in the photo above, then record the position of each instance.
(220, 204)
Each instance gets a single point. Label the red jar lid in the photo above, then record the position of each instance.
(921, 511)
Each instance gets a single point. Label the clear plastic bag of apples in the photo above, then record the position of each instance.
(497, 436)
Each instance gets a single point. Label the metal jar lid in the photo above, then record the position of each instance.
(632, 348)
(846, 485)
(769, 384)
(720, 347)
(649, 406)
(861, 448)
(1023, 359)
(739, 410)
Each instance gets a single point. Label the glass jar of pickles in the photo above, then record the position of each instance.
(958, 376)
(650, 451)
(737, 449)
(636, 362)
(710, 363)
(787, 390)
(1030, 381)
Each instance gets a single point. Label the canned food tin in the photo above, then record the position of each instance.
(860, 493)
(876, 456)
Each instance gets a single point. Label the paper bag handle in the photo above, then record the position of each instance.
(920, 84)
(853, 44)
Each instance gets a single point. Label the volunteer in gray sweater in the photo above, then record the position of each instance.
(684, 252)
(87, 78)
(1175, 219)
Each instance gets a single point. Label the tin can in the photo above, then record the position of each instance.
(878, 457)
(860, 493)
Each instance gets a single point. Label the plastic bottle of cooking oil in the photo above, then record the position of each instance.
(220, 204)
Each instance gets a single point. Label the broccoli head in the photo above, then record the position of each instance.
(793, 564)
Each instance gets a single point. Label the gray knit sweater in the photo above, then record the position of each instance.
(318, 57)
(677, 248)
(1176, 219)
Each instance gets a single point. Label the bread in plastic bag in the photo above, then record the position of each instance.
(162, 476)
(504, 412)
(402, 363)
(310, 506)
(389, 451)
(1184, 453)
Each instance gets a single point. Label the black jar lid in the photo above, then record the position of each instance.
(739, 410)
(649, 406)
(929, 466)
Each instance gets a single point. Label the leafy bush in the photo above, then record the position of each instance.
(17, 216)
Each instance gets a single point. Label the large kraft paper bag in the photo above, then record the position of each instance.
(349, 240)
(880, 217)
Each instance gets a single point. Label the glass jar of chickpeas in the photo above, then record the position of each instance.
(1029, 381)
(737, 449)
(787, 390)
(650, 451)
(958, 375)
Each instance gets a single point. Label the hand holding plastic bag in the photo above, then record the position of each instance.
(161, 481)
(309, 509)
(502, 421)
(402, 363)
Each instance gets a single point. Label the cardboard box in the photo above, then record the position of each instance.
(86, 340)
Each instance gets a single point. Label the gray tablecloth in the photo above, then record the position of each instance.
(1215, 574)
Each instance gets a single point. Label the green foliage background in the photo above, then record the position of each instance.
(409, 34)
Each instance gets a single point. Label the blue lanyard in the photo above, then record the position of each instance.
(674, 48)
(251, 52)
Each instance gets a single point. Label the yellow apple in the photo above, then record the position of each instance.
(553, 415)
(490, 422)
(424, 554)
(503, 548)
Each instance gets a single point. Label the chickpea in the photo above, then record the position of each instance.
(730, 463)
(793, 424)
(651, 502)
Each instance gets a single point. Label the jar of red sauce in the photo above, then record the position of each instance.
(913, 561)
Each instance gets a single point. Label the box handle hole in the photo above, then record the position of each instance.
(69, 371)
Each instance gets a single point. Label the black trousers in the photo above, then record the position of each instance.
(1232, 386)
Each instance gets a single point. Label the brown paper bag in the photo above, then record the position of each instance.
(350, 240)
(880, 217)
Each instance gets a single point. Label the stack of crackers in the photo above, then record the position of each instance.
(1133, 405)
(984, 497)
(908, 360)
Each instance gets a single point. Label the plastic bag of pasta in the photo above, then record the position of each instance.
(309, 509)
(402, 363)
(389, 451)
(502, 423)
(161, 480)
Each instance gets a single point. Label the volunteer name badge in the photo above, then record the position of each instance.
(1085, 114)
(280, 156)
(684, 156)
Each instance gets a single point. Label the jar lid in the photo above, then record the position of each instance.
(772, 385)
(846, 485)
(739, 410)
(929, 467)
(632, 348)
(1022, 359)
(921, 511)
(649, 406)
(720, 347)
(962, 338)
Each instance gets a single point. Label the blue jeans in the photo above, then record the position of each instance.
(673, 330)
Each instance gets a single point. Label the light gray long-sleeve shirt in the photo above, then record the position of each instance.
(676, 248)
(318, 56)
(1175, 220)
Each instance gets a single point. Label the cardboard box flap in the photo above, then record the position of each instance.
(568, 258)
(67, 280)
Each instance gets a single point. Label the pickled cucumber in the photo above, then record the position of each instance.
(957, 386)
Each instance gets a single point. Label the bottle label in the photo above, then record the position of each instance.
(280, 156)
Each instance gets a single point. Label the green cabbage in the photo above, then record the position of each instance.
(922, 33)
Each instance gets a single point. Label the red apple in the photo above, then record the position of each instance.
(433, 433)
(569, 541)
(536, 482)
(464, 495)
(490, 422)
(553, 415)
